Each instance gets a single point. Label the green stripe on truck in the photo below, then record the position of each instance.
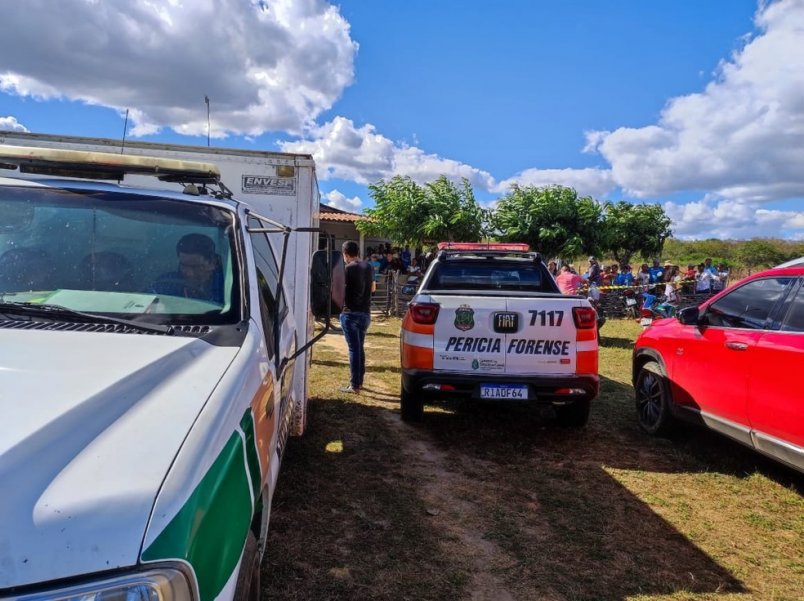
(210, 529)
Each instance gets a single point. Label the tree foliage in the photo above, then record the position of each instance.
(412, 214)
(631, 229)
(552, 220)
(760, 253)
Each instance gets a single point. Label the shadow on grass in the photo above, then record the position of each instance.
(616, 342)
(345, 523)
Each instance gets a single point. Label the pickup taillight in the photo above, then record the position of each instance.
(424, 313)
(585, 318)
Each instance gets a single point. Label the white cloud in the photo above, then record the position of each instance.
(742, 137)
(10, 123)
(266, 66)
(339, 200)
(362, 155)
(716, 217)
(587, 182)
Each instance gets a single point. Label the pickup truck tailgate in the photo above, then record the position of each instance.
(522, 336)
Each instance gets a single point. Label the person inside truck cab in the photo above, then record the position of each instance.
(199, 273)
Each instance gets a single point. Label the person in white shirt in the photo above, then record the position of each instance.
(704, 279)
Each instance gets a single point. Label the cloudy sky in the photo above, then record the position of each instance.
(695, 105)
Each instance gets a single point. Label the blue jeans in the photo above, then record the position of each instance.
(354, 326)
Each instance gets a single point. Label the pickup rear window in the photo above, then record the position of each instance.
(491, 274)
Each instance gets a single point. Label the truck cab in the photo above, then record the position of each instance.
(148, 352)
(489, 323)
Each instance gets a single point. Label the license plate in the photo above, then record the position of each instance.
(630, 302)
(646, 321)
(504, 391)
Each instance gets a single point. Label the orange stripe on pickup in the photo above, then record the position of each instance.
(416, 357)
(584, 335)
(417, 328)
(586, 362)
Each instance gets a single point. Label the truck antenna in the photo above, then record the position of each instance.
(206, 99)
(125, 129)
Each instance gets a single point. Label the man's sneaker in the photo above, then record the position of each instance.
(349, 389)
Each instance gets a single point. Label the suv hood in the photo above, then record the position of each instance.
(90, 425)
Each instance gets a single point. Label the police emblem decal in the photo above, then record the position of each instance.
(475, 364)
(464, 318)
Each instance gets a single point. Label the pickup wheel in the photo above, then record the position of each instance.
(248, 580)
(575, 415)
(652, 396)
(411, 406)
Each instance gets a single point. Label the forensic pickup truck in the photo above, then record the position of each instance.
(489, 323)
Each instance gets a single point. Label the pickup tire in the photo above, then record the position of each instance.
(412, 407)
(653, 400)
(248, 580)
(575, 415)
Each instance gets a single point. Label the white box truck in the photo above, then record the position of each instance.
(154, 328)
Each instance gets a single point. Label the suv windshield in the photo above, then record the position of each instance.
(494, 274)
(116, 253)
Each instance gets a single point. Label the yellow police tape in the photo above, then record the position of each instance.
(640, 286)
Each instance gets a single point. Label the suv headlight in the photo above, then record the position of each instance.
(152, 585)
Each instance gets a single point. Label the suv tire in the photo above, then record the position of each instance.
(653, 401)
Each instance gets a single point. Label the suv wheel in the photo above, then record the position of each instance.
(575, 415)
(412, 407)
(652, 395)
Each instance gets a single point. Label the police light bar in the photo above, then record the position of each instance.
(517, 247)
(104, 165)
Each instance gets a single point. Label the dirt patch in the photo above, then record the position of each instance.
(442, 490)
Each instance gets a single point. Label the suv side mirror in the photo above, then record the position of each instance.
(327, 284)
(689, 316)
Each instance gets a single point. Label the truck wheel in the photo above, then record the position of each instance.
(248, 580)
(575, 415)
(652, 396)
(412, 407)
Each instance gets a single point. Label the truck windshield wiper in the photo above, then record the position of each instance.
(56, 311)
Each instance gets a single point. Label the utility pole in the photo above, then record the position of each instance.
(206, 99)
(125, 130)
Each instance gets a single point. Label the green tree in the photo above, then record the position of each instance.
(759, 253)
(629, 229)
(408, 213)
(552, 220)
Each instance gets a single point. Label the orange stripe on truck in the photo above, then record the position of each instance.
(416, 357)
(586, 362)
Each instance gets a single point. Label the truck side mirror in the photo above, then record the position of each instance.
(327, 284)
(688, 316)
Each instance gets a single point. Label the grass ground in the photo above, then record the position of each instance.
(495, 502)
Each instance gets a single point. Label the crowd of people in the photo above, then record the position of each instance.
(385, 259)
(669, 279)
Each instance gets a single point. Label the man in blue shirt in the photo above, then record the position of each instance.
(624, 278)
(656, 272)
(199, 276)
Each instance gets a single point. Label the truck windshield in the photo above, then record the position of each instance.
(494, 274)
(117, 253)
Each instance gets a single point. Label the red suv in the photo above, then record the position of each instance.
(731, 364)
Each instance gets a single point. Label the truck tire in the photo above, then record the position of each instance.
(412, 407)
(653, 401)
(248, 580)
(575, 415)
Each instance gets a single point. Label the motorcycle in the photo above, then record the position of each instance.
(654, 307)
